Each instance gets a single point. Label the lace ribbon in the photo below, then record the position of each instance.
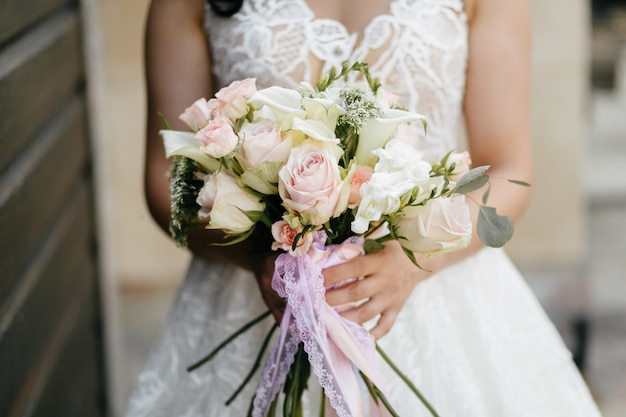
(337, 348)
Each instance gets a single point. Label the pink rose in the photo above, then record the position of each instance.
(442, 225)
(217, 139)
(310, 183)
(235, 98)
(197, 115)
(362, 174)
(462, 162)
(263, 142)
(284, 236)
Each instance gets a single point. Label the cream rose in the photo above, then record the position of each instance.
(442, 225)
(310, 183)
(462, 163)
(224, 203)
(217, 139)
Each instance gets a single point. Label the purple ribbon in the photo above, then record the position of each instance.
(336, 347)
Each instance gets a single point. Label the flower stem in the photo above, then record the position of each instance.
(407, 381)
(377, 394)
(322, 403)
(255, 366)
(232, 337)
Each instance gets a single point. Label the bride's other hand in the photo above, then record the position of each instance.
(389, 278)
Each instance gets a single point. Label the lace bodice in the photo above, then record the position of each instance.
(418, 50)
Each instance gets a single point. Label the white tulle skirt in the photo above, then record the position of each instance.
(473, 338)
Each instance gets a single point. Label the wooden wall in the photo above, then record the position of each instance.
(51, 361)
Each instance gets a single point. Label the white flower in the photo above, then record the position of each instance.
(378, 198)
(285, 104)
(225, 202)
(378, 131)
(442, 225)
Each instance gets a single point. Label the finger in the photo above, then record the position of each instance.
(356, 291)
(387, 319)
(364, 312)
(357, 267)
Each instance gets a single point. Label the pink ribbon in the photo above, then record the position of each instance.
(337, 348)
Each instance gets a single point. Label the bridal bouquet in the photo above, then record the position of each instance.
(323, 174)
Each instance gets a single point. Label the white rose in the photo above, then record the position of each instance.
(442, 225)
(225, 203)
(377, 198)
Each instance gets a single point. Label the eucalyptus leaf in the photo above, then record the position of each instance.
(371, 245)
(518, 182)
(473, 180)
(487, 193)
(493, 230)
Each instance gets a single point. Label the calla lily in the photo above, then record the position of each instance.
(314, 129)
(378, 131)
(179, 143)
(323, 109)
(285, 103)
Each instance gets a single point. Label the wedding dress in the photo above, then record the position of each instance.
(473, 337)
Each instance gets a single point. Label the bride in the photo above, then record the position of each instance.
(465, 329)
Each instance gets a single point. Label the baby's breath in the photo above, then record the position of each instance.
(360, 106)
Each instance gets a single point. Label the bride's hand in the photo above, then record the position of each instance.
(389, 278)
(264, 271)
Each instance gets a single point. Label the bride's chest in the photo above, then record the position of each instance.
(299, 39)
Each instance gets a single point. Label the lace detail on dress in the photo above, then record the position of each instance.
(418, 50)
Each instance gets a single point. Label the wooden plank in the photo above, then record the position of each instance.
(34, 190)
(78, 368)
(38, 73)
(16, 15)
(51, 285)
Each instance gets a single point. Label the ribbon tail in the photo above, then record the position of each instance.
(357, 348)
(278, 363)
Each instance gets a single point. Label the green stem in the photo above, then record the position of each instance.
(322, 403)
(255, 366)
(227, 341)
(378, 395)
(407, 381)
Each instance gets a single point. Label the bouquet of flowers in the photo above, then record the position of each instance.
(322, 174)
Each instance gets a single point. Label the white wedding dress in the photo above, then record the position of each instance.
(473, 337)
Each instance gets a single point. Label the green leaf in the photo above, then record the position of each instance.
(236, 238)
(486, 195)
(518, 182)
(371, 246)
(493, 230)
(166, 124)
(471, 181)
